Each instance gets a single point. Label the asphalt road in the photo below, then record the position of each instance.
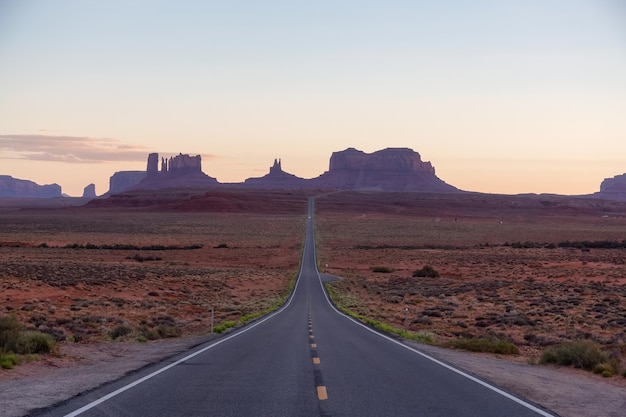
(305, 360)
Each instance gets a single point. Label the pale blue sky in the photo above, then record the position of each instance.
(501, 96)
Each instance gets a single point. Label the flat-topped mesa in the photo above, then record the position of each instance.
(613, 188)
(390, 159)
(14, 187)
(391, 169)
(125, 180)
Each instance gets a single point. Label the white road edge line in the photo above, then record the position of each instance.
(186, 358)
(438, 362)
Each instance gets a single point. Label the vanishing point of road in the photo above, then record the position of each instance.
(306, 359)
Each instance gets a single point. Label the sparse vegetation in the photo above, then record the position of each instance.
(426, 272)
(140, 258)
(486, 345)
(15, 342)
(382, 269)
(583, 354)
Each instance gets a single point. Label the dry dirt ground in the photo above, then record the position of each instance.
(241, 263)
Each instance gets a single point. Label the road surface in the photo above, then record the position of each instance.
(304, 360)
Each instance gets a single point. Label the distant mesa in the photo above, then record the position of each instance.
(125, 180)
(89, 191)
(178, 171)
(613, 188)
(16, 188)
(277, 178)
(391, 169)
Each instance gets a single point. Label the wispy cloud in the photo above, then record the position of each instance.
(69, 149)
(73, 149)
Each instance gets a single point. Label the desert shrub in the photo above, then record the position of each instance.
(488, 345)
(120, 331)
(381, 269)
(32, 342)
(9, 333)
(426, 272)
(583, 354)
(168, 331)
(8, 360)
(606, 369)
(222, 246)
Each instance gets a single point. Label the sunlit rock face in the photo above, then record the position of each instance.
(391, 169)
(13, 187)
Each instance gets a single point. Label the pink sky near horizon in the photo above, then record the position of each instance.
(501, 97)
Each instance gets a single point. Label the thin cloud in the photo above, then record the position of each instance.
(69, 149)
(72, 149)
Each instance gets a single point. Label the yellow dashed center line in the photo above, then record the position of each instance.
(316, 361)
(321, 393)
(313, 345)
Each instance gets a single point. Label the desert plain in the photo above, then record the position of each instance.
(534, 271)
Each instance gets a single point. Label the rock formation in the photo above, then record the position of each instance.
(178, 171)
(613, 188)
(125, 180)
(13, 187)
(391, 169)
(89, 191)
(277, 178)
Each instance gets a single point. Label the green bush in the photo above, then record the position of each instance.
(32, 342)
(426, 272)
(580, 354)
(8, 360)
(487, 345)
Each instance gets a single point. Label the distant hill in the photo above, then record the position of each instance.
(16, 188)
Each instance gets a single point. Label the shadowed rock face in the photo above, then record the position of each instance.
(13, 187)
(390, 159)
(613, 188)
(391, 169)
(124, 180)
(178, 171)
(277, 178)
(89, 191)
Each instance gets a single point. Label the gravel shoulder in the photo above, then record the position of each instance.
(81, 367)
(567, 392)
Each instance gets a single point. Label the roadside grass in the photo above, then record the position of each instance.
(422, 337)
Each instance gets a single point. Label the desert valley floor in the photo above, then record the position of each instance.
(534, 271)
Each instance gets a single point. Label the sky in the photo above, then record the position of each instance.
(500, 96)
